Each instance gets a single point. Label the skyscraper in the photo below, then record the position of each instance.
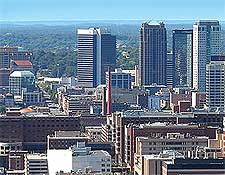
(182, 56)
(169, 69)
(96, 51)
(152, 50)
(206, 43)
(215, 83)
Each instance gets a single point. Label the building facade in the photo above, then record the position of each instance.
(194, 166)
(169, 69)
(215, 85)
(119, 79)
(152, 54)
(182, 56)
(79, 159)
(206, 43)
(7, 54)
(172, 141)
(96, 51)
(4, 80)
(36, 164)
(21, 81)
(152, 164)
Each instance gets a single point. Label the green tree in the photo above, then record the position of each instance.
(2, 109)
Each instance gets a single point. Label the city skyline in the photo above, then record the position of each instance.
(25, 10)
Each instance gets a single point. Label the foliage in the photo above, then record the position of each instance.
(2, 109)
(53, 94)
(61, 62)
(54, 45)
(127, 57)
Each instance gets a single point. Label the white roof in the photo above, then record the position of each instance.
(89, 31)
(22, 74)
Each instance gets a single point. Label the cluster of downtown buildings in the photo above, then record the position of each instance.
(164, 117)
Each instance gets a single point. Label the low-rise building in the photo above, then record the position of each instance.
(152, 164)
(32, 98)
(5, 148)
(118, 121)
(172, 141)
(94, 133)
(65, 139)
(16, 162)
(7, 100)
(119, 79)
(85, 160)
(132, 131)
(79, 159)
(36, 164)
(194, 167)
(21, 65)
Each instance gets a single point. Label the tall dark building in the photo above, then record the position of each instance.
(108, 54)
(4, 80)
(96, 51)
(153, 50)
(183, 57)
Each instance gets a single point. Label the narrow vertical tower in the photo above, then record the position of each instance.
(109, 93)
(104, 101)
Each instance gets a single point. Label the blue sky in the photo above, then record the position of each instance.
(36, 10)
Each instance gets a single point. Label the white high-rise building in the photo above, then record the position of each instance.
(96, 51)
(215, 84)
(206, 43)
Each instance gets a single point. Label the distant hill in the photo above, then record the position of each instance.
(55, 41)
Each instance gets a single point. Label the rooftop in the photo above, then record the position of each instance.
(23, 63)
(160, 124)
(166, 154)
(36, 156)
(22, 74)
(141, 113)
(197, 164)
(207, 22)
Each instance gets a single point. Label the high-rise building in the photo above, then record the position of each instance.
(152, 50)
(215, 83)
(206, 43)
(182, 56)
(4, 80)
(169, 69)
(96, 51)
(21, 81)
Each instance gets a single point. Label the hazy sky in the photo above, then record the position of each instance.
(35, 10)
